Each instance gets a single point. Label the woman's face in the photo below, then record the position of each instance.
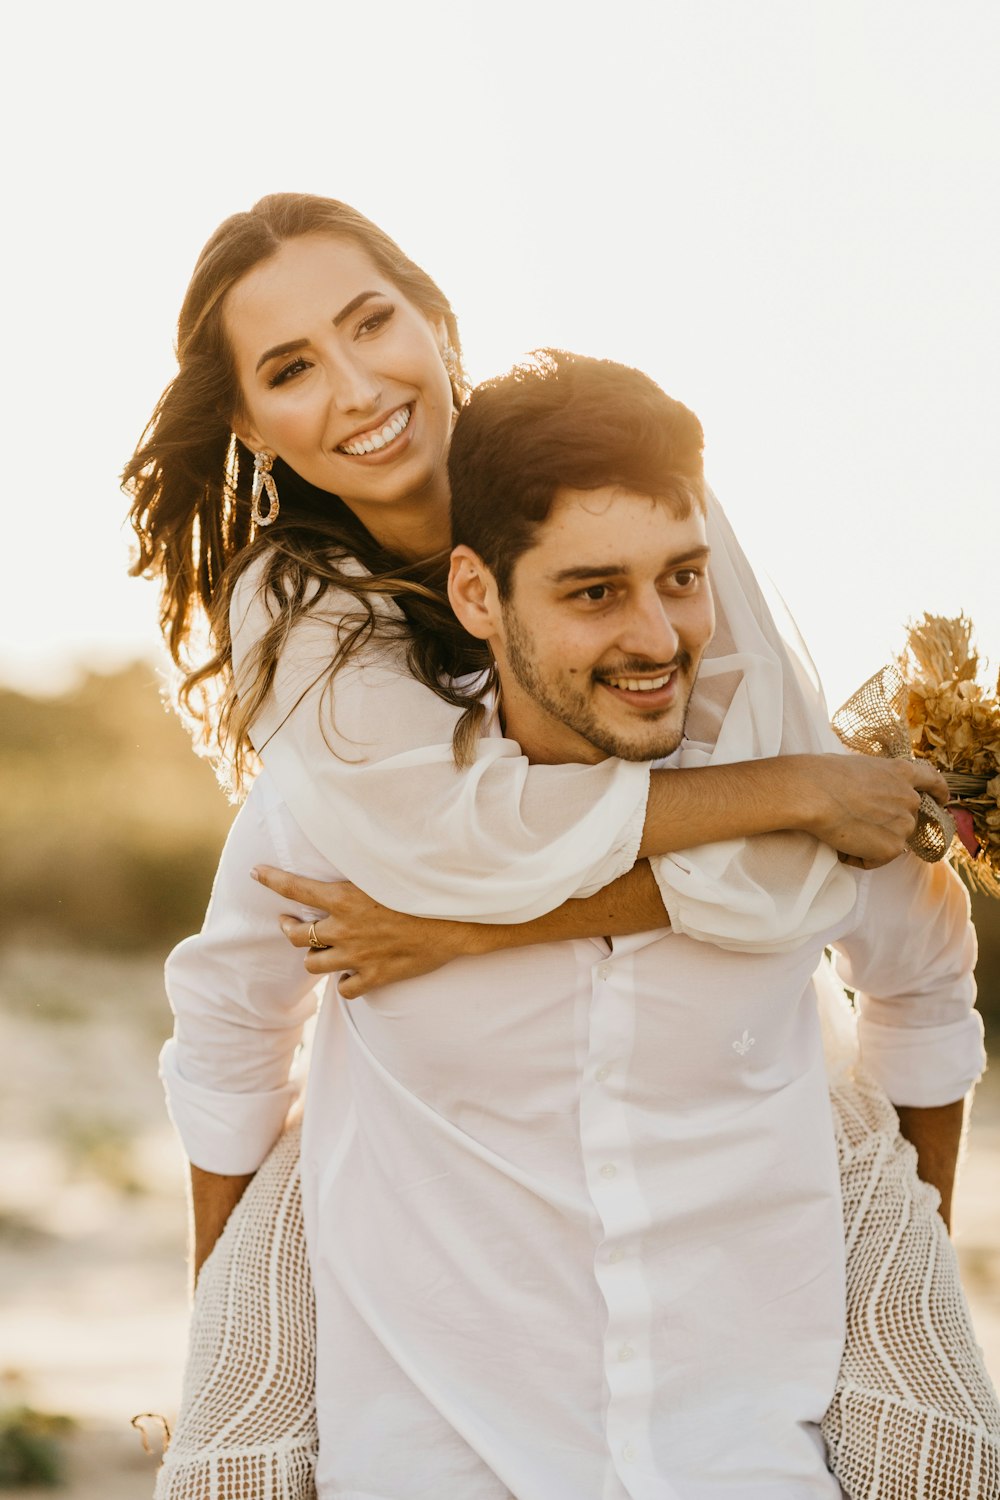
(343, 378)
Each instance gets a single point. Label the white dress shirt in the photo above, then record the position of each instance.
(573, 1209)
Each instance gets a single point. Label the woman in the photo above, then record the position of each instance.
(307, 335)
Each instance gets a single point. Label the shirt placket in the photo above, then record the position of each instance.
(617, 1197)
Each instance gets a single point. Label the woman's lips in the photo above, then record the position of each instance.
(389, 449)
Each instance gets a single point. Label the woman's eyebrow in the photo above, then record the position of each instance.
(293, 344)
(280, 349)
(353, 305)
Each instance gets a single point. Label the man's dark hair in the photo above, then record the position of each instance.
(562, 420)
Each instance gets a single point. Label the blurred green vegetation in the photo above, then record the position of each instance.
(31, 1447)
(112, 827)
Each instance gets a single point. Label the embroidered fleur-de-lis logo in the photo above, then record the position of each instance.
(743, 1044)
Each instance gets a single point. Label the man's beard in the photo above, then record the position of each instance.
(577, 711)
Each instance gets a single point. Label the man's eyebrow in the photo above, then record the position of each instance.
(619, 570)
(293, 344)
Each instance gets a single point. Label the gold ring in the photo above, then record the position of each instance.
(314, 941)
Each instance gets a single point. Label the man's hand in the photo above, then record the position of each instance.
(372, 943)
(864, 806)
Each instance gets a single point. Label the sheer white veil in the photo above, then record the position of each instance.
(754, 698)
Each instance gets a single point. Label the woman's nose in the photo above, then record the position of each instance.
(355, 386)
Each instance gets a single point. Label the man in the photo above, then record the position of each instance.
(573, 1210)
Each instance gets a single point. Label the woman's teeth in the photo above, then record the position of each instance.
(639, 684)
(371, 442)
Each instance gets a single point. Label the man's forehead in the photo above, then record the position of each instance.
(616, 530)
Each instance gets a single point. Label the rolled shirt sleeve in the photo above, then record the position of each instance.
(364, 761)
(909, 958)
(241, 998)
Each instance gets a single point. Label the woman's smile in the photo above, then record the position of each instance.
(383, 439)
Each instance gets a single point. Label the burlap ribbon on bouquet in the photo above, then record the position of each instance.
(873, 720)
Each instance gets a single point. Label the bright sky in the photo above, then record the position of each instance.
(787, 213)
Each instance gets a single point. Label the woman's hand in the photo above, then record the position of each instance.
(372, 943)
(864, 806)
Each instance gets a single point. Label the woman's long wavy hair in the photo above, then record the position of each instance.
(189, 481)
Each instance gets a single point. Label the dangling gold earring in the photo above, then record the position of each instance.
(459, 384)
(262, 481)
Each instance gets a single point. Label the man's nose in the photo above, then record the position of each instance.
(648, 630)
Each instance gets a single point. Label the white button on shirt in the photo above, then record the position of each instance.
(528, 1284)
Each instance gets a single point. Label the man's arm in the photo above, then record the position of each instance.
(910, 960)
(937, 1136)
(240, 999)
(213, 1198)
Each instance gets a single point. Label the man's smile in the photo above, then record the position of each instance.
(650, 691)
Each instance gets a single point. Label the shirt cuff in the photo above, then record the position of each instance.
(623, 856)
(221, 1132)
(926, 1066)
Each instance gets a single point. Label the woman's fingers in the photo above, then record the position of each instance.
(353, 986)
(299, 934)
(300, 888)
(927, 779)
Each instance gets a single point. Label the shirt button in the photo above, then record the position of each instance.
(608, 1170)
(628, 1453)
(602, 1074)
(615, 1255)
(604, 971)
(625, 1352)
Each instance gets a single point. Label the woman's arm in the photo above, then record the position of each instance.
(367, 772)
(860, 805)
(379, 946)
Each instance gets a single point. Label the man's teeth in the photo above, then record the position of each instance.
(639, 684)
(371, 442)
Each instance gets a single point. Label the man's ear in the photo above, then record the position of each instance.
(472, 593)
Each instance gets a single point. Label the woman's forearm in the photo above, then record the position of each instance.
(371, 945)
(860, 805)
(632, 903)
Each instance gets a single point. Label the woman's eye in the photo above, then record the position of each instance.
(286, 372)
(376, 320)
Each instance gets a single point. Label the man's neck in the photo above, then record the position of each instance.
(543, 739)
